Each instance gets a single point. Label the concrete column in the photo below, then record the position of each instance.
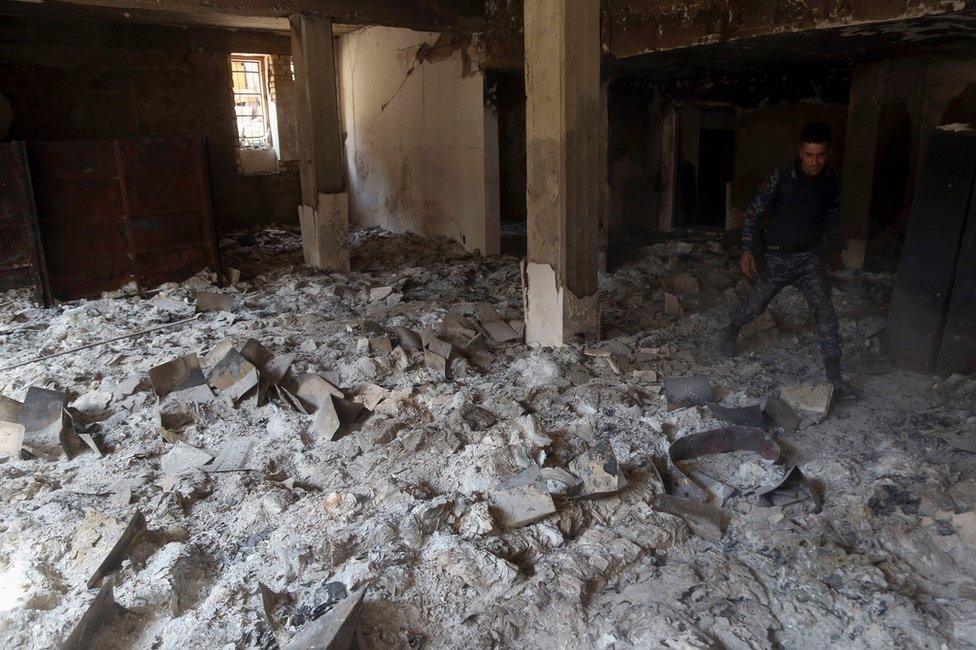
(669, 169)
(324, 213)
(562, 87)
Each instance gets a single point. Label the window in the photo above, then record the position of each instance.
(251, 101)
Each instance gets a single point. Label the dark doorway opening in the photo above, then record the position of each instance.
(507, 90)
(716, 158)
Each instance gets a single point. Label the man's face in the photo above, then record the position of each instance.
(813, 157)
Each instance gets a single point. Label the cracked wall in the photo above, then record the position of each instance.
(420, 148)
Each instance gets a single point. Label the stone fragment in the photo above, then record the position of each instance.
(598, 470)
(437, 363)
(523, 499)
(178, 375)
(123, 545)
(500, 331)
(672, 306)
(232, 457)
(183, 458)
(370, 395)
(380, 345)
(763, 323)
(233, 375)
(408, 339)
(694, 390)
(682, 283)
(218, 301)
(809, 398)
(102, 609)
(337, 629)
(325, 421)
(750, 416)
(380, 293)
(11, 439)
(781, 413)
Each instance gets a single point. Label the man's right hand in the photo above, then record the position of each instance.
(749, 266)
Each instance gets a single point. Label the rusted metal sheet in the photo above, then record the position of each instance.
(21, 256)
(119, 211)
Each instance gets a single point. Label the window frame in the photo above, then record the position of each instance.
(266, 142)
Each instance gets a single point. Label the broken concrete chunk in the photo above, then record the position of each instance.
(218, 301)
(672, 306)
(102, 609)
(11, 439)
(380, 293)
(337, 629)
(683, 283)
(325, 421)
(233, 375)
(315, 388)
(129, 537)
(437, 363)
(380, 345)
(440, 347)
(500, 331)
(183, 458)
(45, 420)
(523, 499)
(812, 399)
(486, 313)
(178, 375)
(598, 470)
(9, 409)
(408, 339)
(559, 481)
(232, 457)
(794, 490)
(694, 390)
(370, 395)
(478, 418)
(518, 326)
(276, 369)
(750, 416)
(781, 413)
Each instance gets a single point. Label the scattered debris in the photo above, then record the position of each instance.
(129, 537)
(335, 630)
(750, 416)
(694, 390)
(217, 301)
(523, 499)
(812, 399)
(182, 376)
(101, 610)
(794, 489)
(598, 471)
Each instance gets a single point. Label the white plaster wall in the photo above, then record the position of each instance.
(415, 139)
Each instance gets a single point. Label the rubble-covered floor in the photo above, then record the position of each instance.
(400, 500)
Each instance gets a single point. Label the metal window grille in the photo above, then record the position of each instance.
(250, 101)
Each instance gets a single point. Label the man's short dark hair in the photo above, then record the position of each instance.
(816, 133)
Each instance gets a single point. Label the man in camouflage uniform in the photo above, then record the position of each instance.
(803, 204)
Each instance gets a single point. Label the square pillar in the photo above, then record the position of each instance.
(563, 160)
(324, 211)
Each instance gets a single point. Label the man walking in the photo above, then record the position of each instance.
(803, 204)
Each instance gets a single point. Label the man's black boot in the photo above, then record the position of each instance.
(730, 335)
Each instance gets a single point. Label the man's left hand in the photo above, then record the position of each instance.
(836, 262)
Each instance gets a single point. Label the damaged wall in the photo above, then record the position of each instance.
(894, 105)
(88, 80)
(766, 138)
(418, 136)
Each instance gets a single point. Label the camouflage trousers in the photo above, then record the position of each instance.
(808, 273)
